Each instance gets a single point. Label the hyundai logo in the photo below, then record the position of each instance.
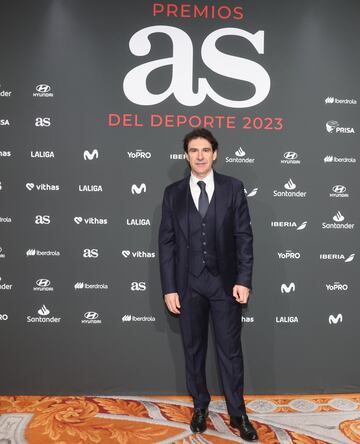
(43, 282)
(91, 315)
(339, 189)
(290, 155)
(43, 88)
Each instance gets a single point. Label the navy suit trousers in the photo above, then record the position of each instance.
(205, 294)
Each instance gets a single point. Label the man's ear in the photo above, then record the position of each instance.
(186, 156)
(214, 155)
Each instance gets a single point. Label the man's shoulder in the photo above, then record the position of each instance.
(230, 180)
(175, 186)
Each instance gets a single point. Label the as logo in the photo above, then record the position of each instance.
(182, 84)
(42, 121)
(42, 219)
(90, 156)
(138, 286)
(91, 253)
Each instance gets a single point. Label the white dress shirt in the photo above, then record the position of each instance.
(195, 189)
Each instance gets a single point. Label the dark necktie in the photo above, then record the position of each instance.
(203, 199)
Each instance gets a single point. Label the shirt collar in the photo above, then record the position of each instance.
(209, 179)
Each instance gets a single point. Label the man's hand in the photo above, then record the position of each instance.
(241, 294)
(172, 302)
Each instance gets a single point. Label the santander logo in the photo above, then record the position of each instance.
(182, 85)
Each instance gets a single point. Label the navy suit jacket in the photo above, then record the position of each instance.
(234, 239)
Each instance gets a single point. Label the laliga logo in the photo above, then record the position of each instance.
(182, 83)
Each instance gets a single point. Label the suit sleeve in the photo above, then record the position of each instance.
(167, 247)
(243, 239)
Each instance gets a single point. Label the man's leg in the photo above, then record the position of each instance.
(194, 321)
(226, 316)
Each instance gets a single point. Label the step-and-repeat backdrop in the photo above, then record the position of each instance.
(96, 97)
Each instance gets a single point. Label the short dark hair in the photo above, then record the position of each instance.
(200, 132)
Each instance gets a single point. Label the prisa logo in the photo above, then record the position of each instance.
(182, 82)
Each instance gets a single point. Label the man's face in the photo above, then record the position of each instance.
(200, 156)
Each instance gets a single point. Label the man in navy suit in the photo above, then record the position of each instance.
(206, 260)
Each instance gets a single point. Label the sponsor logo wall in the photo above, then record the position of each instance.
(91, 135)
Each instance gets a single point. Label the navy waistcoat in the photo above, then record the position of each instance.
(202, 235)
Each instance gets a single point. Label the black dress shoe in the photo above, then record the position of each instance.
(198, 421)
(247, 430)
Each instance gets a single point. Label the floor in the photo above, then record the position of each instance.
(309, 419)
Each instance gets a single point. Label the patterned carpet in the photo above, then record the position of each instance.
(284, 419)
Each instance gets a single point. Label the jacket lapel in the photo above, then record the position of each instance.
(182, 204)
(222, 194)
